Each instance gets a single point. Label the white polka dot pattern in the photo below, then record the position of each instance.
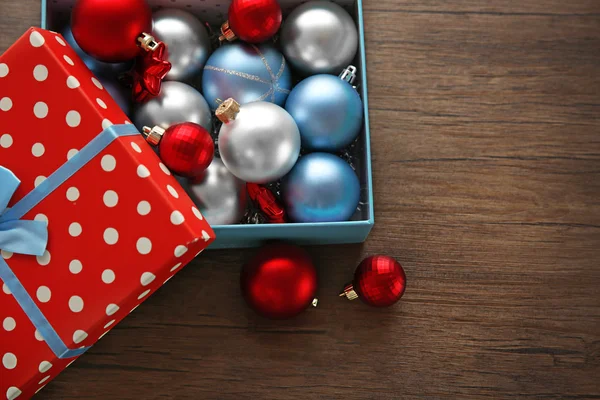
(144, 246)
(9, 360)
(111, 309)
(76, 304)
(97, 83)
(39, 180)
(79, 336)
(75, 229)
(40, 72)
(44, 259)
(73, 119)
(119, 228)
(147, 278)
(43, 294)
(45, 366)
(109, 163)
(72, 82)
(111, 236)
(108, 276)
(73, 194)
(177, 218)
(75, 266)
(142, 171)
(9, 324)
(36, 39)
(38, 150)
(6, 103)
(110, 198)
(13, 392)
(143, 207)
(40, 109)
(6, 140)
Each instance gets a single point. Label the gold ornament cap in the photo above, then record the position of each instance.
(147, 42)
(153, 135)
(228, 110)
(349, 292)
(227, 33)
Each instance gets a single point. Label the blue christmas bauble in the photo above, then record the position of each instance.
(99, 68)
(118, 92)
(321, 188)
(246, 73)
(328, 112)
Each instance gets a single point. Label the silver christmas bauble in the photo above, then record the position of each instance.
(221, 197)
(319, 37)
(259, 142)
(177, 102)
(188, 44)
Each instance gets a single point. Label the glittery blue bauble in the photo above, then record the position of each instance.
(321, 188)
(99, 68)
(328, 112)
(119, 93)
(247, 73)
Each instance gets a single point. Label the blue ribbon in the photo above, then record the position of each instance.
(31, 237)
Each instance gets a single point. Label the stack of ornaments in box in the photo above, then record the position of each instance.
(265, 110)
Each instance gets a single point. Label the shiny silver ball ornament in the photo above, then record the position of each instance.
(221, 197)
(319, 37)
(188, 44)
(177, 102)
(259, 142)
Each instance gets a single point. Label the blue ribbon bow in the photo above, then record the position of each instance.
(19, 236)
(31, 237)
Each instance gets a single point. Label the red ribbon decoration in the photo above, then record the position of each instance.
(267, 203)
(147, 75)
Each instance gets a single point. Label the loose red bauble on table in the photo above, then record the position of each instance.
(253, 21)
(379, 281)
(108, 30)
(280, 281)
(186, 148)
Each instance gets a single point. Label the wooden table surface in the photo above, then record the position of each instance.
(486, 159)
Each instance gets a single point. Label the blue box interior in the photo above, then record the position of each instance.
(56, 14)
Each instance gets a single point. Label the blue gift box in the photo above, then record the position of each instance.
(55, 15)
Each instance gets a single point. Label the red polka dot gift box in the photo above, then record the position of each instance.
(91, 222)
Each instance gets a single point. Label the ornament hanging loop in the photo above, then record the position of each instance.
(147, 42)
(349, 74)
(153, 135)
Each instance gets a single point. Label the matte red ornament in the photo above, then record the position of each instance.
(267, 203)
(108, 30)
(379, 281)
(280, 281)
(186, 149)
(253, 21)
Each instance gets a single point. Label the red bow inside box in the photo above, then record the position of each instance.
(119, 225)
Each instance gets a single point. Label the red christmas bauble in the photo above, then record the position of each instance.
(254, 21)
(280, 282)
(186, 149)
(108, 29)
(379, 281)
